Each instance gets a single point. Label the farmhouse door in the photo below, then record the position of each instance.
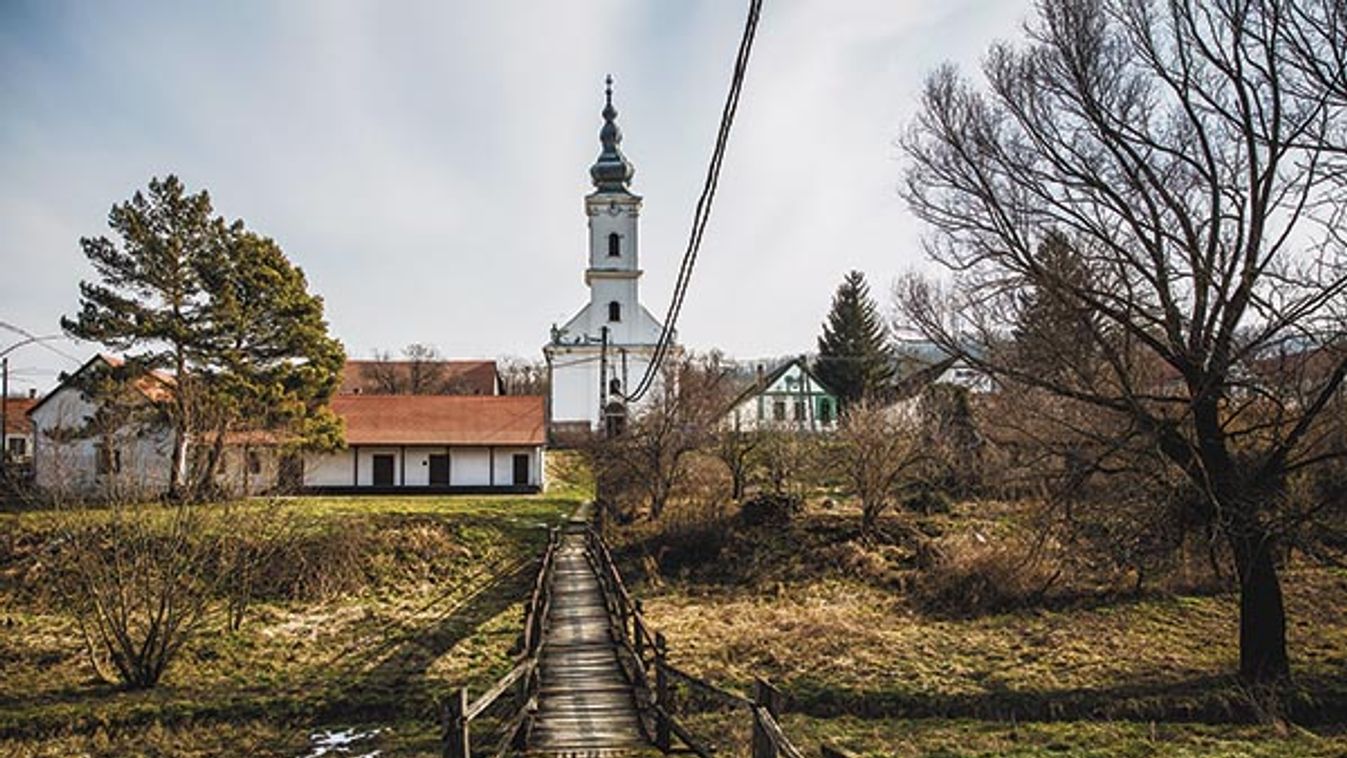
(383, 471)
(521, 469)
(439, 470)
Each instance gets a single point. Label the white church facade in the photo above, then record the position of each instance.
(602, 352)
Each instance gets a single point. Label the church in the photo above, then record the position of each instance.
(602, 352)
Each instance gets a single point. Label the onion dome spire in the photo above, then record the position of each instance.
(612, 172)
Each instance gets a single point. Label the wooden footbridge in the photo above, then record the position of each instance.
(591, 680)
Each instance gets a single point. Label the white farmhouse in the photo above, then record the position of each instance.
(604, 350)
(788, 398)
(433, 443)
(75, 450)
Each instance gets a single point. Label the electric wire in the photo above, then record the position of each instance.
(703, 210)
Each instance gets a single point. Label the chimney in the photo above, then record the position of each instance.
(760, 373)
(32, 393)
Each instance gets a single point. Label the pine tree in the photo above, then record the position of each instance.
(270, 363)
(855, 359)
(148, 300)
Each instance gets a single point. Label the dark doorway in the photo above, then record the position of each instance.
(439, 470)
(521, 469)
(383, 470)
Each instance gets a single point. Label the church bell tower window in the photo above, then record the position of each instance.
(615, 311)
(614, 245)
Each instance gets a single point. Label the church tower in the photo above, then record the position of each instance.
(603, 351)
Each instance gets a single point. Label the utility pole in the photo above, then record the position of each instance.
(603, 379)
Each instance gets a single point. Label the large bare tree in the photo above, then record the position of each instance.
(1190, 154)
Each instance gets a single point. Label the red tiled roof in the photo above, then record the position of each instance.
(16, 415)
(441, 419)
(449, 377)
(154, 384)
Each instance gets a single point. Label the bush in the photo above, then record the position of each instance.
(928, 500)
(769, 510)
(971, 575)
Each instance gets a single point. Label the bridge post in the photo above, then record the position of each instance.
(664, 709)
(638, 632)
(456, 741)
(766, 698)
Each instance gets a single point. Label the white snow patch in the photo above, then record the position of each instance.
(339, 742)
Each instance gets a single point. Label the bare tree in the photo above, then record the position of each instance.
(523, 377)
(138, 577)
(1186, 156)
(878, 455)
(651, 454)
(735, 448)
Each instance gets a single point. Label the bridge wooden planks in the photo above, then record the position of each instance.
(586, 705)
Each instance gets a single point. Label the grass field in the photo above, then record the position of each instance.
(402, 600)
(818, 614)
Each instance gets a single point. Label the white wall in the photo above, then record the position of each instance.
(328, 469)
(70, 466)
(468, 466)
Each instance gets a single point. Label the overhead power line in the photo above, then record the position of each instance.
(703, 211)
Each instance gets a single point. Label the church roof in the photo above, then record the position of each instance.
(612, 171)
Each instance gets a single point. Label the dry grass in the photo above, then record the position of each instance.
(386, 604)
(842, 627)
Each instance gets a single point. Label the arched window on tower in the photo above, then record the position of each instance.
(614, 245)
(615, 311)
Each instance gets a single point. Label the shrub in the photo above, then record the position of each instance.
(769, 509)
(928, 500)
(970, 575)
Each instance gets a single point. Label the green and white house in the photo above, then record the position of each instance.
(789, 398)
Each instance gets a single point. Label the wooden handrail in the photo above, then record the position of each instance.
(486, 699)
(733, 698)
(459, 712)
(637, 636)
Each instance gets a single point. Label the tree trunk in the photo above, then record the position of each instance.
(1262, 615)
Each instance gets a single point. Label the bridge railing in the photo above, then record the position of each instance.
(520, 684)
(655, 677)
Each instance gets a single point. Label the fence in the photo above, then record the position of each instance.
(650, 670)
(521, 682)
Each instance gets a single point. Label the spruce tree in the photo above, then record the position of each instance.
(1055, 335)
(855, 359)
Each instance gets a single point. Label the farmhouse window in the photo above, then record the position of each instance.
(779, 410)
(18, 447)
(825, 411)
(614, 245)
(254, 463)
(799, 410)
(615, 311)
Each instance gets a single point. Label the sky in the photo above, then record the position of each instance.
(425, 163)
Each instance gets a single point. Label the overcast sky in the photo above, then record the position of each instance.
(425, 162)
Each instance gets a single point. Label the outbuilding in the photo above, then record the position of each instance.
(433, 443)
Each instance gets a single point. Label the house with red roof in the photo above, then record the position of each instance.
(476, 441)
(434, 443)
(430, 377)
